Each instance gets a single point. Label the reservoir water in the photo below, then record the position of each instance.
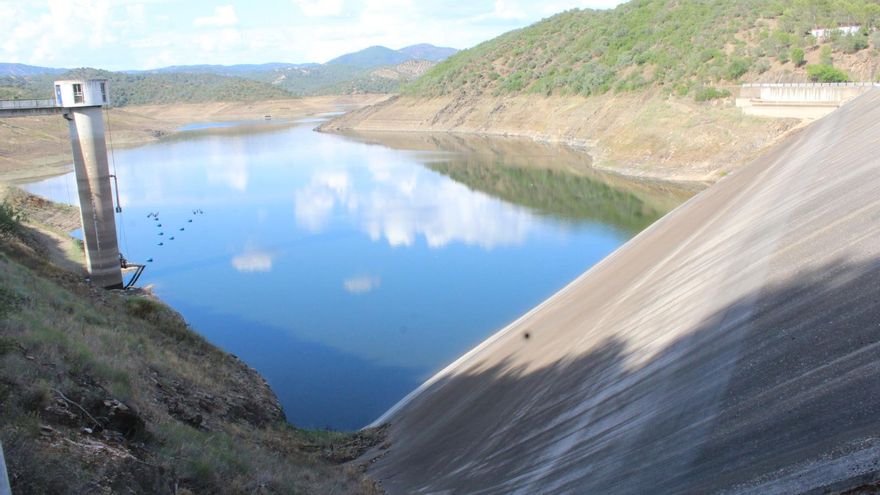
(348, 269)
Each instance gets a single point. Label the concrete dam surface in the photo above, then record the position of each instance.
(732, 347)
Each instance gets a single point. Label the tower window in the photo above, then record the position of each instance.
(77, 93)
(104, 92)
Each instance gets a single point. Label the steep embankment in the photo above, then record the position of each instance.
(732, 346)
(647, 86)
(109, 392)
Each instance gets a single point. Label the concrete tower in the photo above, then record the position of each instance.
(82, 102)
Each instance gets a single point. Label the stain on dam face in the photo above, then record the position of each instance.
(733, 347)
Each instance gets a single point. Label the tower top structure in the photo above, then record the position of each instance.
(82, 93)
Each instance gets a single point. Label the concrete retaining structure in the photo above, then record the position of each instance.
(732, 347)
(798, 100)
(92, 172)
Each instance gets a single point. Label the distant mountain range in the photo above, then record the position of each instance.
(22, 70)
(371, 70)
(377, 56)
(223, 70)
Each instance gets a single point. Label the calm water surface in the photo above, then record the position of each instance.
(348, 269)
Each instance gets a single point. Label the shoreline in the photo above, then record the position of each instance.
(647, 136)
(36, 148)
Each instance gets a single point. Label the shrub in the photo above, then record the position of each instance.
(825, 56)
(737, 68)
(10, 219)
(826, 74)
(706, 94)
(852, 43)
(797, 57)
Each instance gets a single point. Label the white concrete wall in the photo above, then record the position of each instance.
(92, 95)
(799, 101)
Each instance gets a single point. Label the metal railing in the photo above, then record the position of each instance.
(812, 85)
(27, 104)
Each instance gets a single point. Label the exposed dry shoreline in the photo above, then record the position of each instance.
(640, 135)
(35, 147)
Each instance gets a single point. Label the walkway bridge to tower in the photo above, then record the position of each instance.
(24, 108)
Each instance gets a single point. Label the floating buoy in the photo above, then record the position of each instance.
(161, 243)
(171, 238)
(181, 228)
(149, 260)
(161, 233)
(190, 220)
(158, 225)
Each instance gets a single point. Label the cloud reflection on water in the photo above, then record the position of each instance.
(400, 204)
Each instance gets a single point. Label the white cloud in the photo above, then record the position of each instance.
(319, 8)
(253, 262)
(361, 284)
(506, 9)
(127, 34)
(224, 15)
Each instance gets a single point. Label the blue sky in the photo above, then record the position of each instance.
(126, 34)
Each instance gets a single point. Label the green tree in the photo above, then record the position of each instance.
(797, 57)
(826, 74)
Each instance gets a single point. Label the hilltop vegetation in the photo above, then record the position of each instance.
(681, 46)
(138, 89)
(375, 69)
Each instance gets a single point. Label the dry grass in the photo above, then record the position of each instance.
(103, 391)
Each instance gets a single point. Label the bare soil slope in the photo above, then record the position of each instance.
(731, 347)
(644, 135)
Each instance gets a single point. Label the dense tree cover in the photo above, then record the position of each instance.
(139, 89)
(168, 87)
(682, 45)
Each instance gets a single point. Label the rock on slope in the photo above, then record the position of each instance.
(731, 347)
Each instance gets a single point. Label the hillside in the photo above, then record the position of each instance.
(373, 56)
(680, 46)
(425, 51)
(19, 70)
(646, 89)
(375, 69)
(110, 392)
(141, 89)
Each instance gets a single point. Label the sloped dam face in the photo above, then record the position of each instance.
(734, 347)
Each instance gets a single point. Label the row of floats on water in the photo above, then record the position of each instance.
(155, 217)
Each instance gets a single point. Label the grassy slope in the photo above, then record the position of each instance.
(105, 391)
(677, 45)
